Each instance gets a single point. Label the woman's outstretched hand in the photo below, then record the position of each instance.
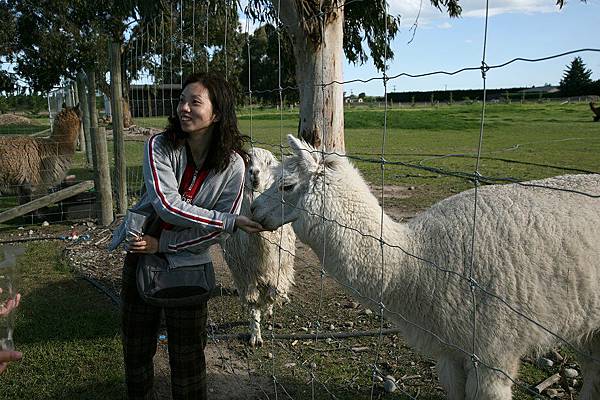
(8, 356)
(247, 225)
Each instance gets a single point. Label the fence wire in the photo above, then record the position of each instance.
(148, 66)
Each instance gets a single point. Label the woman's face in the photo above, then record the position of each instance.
(195, 110)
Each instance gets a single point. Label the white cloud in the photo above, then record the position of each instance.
(445, 25)
(409, 9)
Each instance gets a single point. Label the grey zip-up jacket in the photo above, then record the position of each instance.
(206, 220)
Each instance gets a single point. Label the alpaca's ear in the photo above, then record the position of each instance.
(272, 159)
(304, 151)
(297, 145)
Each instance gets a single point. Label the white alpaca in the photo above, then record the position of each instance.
(261, 277)
(537, 248)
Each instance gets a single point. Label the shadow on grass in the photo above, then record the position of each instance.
(68, 333)
(66, 310)
(108, 390)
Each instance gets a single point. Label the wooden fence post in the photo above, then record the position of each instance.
(85, 116)
(103, 171)
(101, 166)
(117, 126)
(148, 99)
(77, 102)
(93, 118)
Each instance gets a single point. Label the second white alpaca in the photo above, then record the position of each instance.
(536, 258)
(261, 275)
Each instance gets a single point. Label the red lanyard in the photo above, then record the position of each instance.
(191, 182)
(189, 187)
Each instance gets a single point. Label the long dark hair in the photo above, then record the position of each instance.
(226, 137)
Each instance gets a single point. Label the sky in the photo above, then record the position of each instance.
(516, 28)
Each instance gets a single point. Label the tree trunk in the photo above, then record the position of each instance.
(319, 62)
(127, 117)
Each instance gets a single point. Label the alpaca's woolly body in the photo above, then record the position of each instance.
(536, 248)
(261, 277)
(39, 163)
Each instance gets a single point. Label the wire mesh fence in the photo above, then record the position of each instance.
(40, 141)
(187, 37)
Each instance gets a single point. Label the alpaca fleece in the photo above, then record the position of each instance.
(39, 163)
(261, 277)
(536, 248)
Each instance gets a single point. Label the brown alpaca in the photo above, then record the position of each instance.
(32, 165)
(596, 112)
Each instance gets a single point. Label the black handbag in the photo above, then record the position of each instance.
(161, 284)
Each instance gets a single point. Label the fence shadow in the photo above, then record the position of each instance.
(66, 310)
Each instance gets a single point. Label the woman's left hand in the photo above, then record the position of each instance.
(247, 225)
(146, 244)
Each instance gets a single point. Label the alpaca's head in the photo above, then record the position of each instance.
(296, 186)
(66, 125)
(261, 169)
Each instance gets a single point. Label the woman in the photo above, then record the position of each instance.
(193, 175)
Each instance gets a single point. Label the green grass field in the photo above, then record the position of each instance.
(520, 141)
(37, 124)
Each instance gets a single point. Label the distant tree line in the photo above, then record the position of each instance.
(33, 103)
(576, 81)
(449, 96)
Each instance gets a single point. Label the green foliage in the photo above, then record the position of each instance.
(264, 66)
(576, 80)
(365, 22)
(23, 103)
(7, 82)
(52, 45)
(8, 31)
(169, 51)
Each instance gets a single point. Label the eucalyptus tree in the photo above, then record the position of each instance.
(321, 31)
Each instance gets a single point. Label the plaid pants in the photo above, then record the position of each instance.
(186, 327)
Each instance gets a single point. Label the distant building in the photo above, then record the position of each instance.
(350, 99)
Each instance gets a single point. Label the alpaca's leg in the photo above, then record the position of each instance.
(269, 310)
(24, 193)
(486, 384)
(453, 378)
(591, 370)
(255, 334)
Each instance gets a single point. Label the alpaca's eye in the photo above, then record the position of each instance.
(287, 188)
